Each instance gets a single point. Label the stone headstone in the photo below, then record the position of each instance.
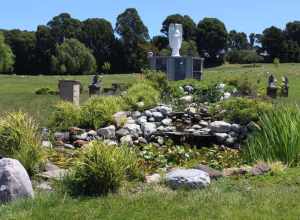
(272, 88)
(95, 86)
(69, 90)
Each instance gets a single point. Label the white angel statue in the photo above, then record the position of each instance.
(175, 38)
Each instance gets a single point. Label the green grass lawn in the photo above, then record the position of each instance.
(266, 197)
(18, 92)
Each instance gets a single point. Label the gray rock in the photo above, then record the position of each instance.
(203, 123)
(110, 142)
(92, 133)
(151, 119)
(165, 110)
(122, 132)
(120, 118)
(141, 120)
(142, 140)
(149, 128)
(47, 144)
(196, 127)
(134, 129)
(153, 179)
(233, 134)
(189, 89)
(236, 128)
(69, 146)
(230, 140)
(160, 140)
(130, 120)
(62, 136)
(126, 140)
(221, 137)
(187, 99)
(14, 181)
(187, 178)
(166, 122)
(148, 113)
(158, 116)
(260, 169)
(220, 127)
(83, 136)
(107, 132)
(136, 114)
(213, 174)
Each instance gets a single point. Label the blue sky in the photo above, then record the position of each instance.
(248, 16)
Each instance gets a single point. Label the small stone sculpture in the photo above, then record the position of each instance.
(285, 87)
(272, 88)
(94, 88)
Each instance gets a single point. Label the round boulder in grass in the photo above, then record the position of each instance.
(14, 181)
(187, 178)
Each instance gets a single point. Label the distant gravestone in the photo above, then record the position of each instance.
(285, 87)
(69, 90)
(94, 88)
(272, 88)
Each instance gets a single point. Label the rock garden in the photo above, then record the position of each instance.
(184, 134)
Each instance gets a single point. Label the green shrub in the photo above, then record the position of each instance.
(64, 116)
(243, 57)
(240, 110)
(100, 169)
(99, 111)
(20, 139)
(45, 91)
(243, 85)
(142, 92)
(278, 138)
(276, 62)
(158, 79)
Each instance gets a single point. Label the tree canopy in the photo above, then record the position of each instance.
(6, 56)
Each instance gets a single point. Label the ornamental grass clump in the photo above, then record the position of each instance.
(64, 116)
(98, 111)
(101, 169)
(142, 92)
(278, 138)
(20, 139)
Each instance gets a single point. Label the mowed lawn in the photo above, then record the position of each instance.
(258, 198)
(18, 92)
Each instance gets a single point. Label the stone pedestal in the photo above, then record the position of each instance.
(69, 90)
(94, 90)
(178, 68)
(272, 92)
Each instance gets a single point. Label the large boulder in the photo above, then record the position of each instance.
(14, 181)
(220, 127)
(187, 178)
(120, 118)
(107, 132)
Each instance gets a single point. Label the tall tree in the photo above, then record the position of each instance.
(188, 25)
(22, 44)
(273, 41)
(72, 57)
(134, 38)
(237, 40)
(212, 40)
(292, 31)
(160, 42)
(98, 35)
(64, 26)
(6, 56)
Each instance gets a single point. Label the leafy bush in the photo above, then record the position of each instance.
(142, 92)
(278, 138)
(243, 57)
(243, 85)
(99, 111)
(45, 91)
(240, 110)
(106, 67)
(64, 116)
(100, 169)
(20, 139)
(276, 61)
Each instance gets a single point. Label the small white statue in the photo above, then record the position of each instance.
(175, 39)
